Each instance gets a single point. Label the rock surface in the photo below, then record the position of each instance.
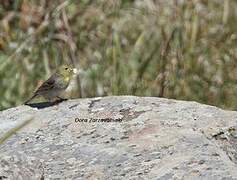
(120, 138)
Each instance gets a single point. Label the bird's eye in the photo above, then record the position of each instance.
(66, 68)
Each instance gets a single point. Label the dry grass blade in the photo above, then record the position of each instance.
(142, 68)
(12, 131)
(163, 60)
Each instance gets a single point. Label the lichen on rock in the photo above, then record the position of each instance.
(120, 138)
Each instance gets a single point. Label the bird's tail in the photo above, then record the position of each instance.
(26, 102)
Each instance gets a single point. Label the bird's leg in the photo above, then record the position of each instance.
(61, 99)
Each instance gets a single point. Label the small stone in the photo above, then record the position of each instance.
(136, 155)
(71, 161)
(122, 174)
(201, 162)
(112, 139)
(124, 137)
(215, 154)
(118, 164)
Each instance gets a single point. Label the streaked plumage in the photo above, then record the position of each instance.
(55, 85)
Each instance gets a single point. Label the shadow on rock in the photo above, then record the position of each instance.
(43, 105)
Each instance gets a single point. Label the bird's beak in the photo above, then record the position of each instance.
(74, 70)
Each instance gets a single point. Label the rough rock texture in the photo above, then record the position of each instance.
(146, 138)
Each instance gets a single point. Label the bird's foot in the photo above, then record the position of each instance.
(60, 99)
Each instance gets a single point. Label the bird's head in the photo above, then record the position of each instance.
(66, 71)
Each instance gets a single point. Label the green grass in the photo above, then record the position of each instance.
(169, 49)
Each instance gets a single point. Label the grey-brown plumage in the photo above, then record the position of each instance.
(55, 85)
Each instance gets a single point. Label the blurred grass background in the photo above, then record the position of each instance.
(176, 49)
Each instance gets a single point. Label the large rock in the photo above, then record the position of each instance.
(141, 138)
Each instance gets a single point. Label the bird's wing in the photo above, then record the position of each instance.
(47, 85)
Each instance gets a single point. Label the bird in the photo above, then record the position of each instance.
(56, 84)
